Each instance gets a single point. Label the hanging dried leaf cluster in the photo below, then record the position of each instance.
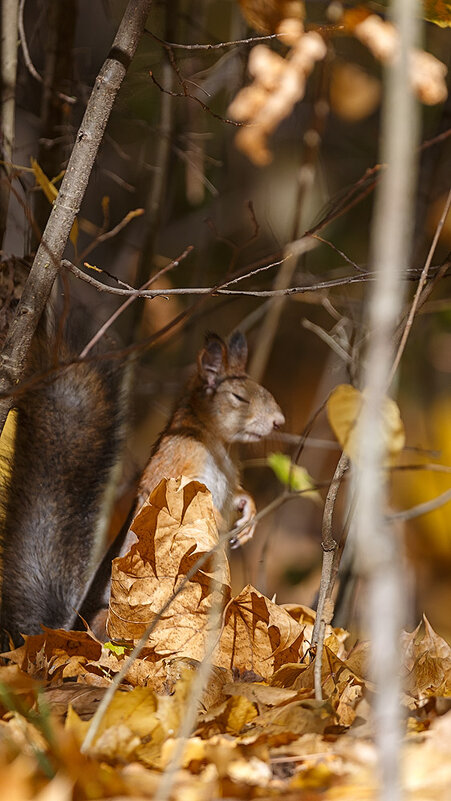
(278, 84)
(427, 73)
(279, 81)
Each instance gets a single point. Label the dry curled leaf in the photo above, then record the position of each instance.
(259, 635)
(427, 657)
(279, 83)
(175, 527)
(427, 73)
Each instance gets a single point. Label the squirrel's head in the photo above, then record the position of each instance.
(233, 406)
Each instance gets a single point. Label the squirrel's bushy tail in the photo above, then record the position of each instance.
(56, 504)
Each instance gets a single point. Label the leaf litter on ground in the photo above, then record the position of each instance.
(259, 731)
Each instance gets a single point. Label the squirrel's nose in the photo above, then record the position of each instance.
(278, 419)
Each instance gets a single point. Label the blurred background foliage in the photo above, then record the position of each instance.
(176, 158)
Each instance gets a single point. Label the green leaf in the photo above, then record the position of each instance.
(293, 476)
(119, 650)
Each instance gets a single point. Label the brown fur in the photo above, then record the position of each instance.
(221, 406)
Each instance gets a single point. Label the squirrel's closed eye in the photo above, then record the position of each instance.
(240, 397)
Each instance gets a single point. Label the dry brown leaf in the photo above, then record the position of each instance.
(56, 652)
(427, 657)
(83, 699)
(258, 635)
(229, 717)
(175, 527)
(341, 682)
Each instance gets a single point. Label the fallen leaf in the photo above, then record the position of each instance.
(175, 527)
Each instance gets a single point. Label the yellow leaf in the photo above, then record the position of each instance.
(7, 439)
(50, 191)
(343, 410)
(76, 725)
(438, 11)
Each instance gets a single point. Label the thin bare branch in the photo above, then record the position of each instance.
(423, 508)
(216, 290)
(197, 100)
(329, 547)
(340, 252)
(27, 58)
(328, 339)
(103, 237)
(219, 46)
(420, 287)
(104, 328)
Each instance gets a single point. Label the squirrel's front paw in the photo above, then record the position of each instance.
(244, 525)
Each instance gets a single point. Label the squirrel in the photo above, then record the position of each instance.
(220, 406)
(70, 431)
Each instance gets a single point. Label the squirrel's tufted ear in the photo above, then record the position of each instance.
(237, 350)
(212, 359)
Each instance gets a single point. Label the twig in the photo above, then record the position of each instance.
(215, 290)
(422, 508)
(99, 334)
(340, 252)
(103, 237)
(421, 284)
(27, 58)
(219, 46)
(23, 41)
(197, 690)
(198, 100)
(48, 257)
(157, 183)
(364, 186)
(328, 339)
(329, 546)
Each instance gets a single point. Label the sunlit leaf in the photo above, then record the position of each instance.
(438, 11)
(293, 475)
(343, 410)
